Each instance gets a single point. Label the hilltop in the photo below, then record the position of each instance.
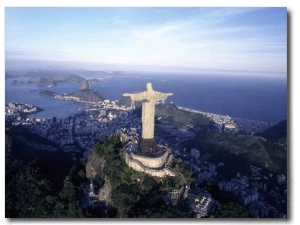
(277, 133)
(87, 95)
(41, 81)
(44, 76)
(126, 101)
(242, 150)
(170, 114)
(129, 192)
(48, 187)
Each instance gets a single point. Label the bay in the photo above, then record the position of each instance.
(246, 97)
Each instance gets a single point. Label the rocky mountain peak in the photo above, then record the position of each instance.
(84, 85)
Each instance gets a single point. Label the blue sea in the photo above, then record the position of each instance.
(246, 97)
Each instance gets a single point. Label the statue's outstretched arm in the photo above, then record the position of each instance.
(162, 96)
(136, 97)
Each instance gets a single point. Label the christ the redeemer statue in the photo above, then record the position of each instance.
(148, 99)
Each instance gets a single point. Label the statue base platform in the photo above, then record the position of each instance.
(147, 146)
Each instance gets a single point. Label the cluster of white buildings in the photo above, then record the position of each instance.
(202, 168)
(105, 104)
(254, 192)
(252, 126)
(240, 188)
(67, 98)
(227, 124)
(13, 109)
(79, 133)
(202, 204)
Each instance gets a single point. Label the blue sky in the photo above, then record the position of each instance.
(182, 38)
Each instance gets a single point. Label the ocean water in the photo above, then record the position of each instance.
(246, 97)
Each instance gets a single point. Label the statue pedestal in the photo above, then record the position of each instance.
(147, 146)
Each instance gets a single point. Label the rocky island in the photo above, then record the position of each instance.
(46, 93)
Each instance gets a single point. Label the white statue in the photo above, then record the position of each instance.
(148, 99)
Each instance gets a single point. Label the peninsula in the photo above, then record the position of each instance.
(85, 94)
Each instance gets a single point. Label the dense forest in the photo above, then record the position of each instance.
(42, 188)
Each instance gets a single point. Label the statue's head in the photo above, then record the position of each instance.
(149, 87)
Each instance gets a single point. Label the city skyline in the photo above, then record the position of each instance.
(191, 39)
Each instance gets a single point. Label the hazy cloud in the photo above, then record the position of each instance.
(223, 38)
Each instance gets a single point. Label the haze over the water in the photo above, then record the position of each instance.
(190, 39)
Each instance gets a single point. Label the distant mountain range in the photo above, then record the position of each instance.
(72, 76)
